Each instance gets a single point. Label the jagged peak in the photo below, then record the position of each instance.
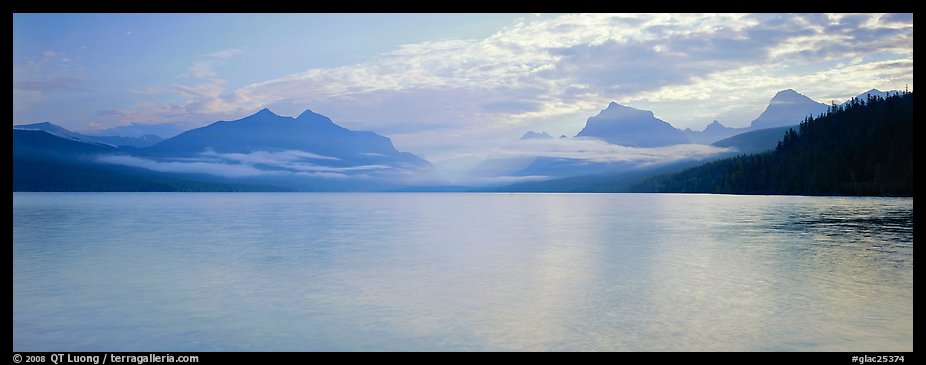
(309, 116)
(308, 113)
(265, 111)
(617, 110)
(790, 96)
(536, 135)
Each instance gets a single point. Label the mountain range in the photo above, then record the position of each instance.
(714, 131)
(162, 130)
(266, 151)
(864, 147)
(140, 141)
(322, 141)
(785, 111)
(263, 151)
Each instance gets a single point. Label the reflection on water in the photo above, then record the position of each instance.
(174, 272)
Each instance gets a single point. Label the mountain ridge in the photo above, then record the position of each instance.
(627, 126)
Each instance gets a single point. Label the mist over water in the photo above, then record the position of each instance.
(379, 271)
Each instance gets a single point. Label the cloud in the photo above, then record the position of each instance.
(270, 157)
(687, 68)
(596, 151)
(205, 68)
(230, 170)
(51, 84)
(501, 165)
(194, 167)
(733, 93)
(148, 90)
(258, 163)
(225, 53)
(556, 67)
(38, 76)
(499, 180)
(293, 160)
(202, 69)
(203, 100)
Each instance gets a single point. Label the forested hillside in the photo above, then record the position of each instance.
(864, 147)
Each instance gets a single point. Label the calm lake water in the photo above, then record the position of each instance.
(300, 272)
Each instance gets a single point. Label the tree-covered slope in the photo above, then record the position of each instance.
(864, 147)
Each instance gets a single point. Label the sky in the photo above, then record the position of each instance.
(444, 86)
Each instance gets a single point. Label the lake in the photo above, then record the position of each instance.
(467, 271)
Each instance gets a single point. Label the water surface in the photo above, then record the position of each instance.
(301, 272)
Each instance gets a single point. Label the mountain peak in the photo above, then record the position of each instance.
(787, 107)
(536, 135)
(627, 126)
(50, 128)
(790, 96)
(617, 110)
(309, 116)
(265, 112)
(614, 106)
(714, 125)
(40, 124)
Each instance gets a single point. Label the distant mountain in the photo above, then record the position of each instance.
(626, 126)
(50, 128)
(617, 124)
(46, 162)
(712, 133)
(142, 141)
(787, 107)
(38, 142)
(874, 93)
(755, 141)
(315, 134)
(161, 130)
(862, 148)
(536, 135)
(264, 151)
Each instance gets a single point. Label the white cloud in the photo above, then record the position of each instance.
(576, 62)
(257, 163)
(596, 151)
(555, 72)
(202, 69)
(734, 92)
(499, 180)
(197, 167)
(290, 160)
(234, 170)
(35, 78)
(266, 157)
(225, 53)
(205, 68)
(149, 90)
